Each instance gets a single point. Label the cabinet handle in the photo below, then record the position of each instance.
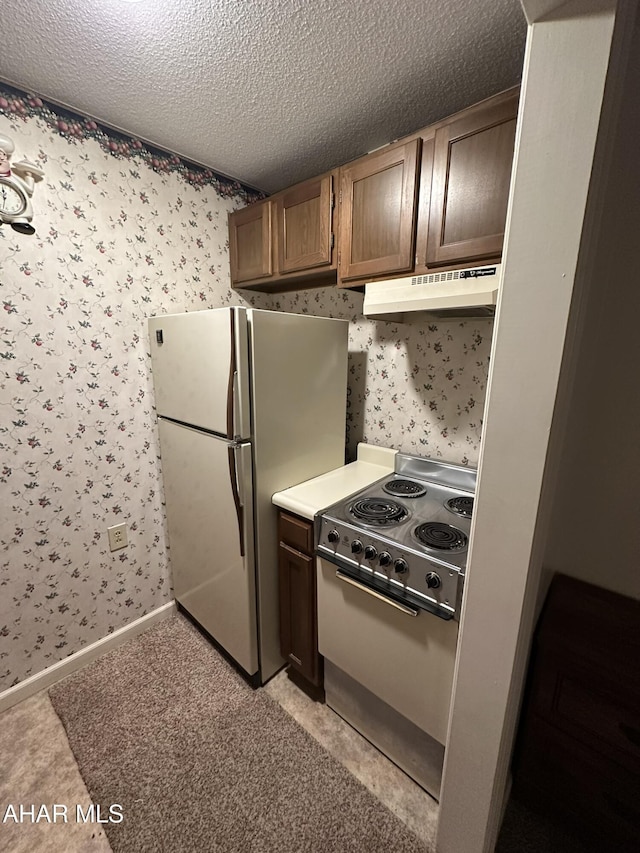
(294, 551)
(408, 610)
(631, 733)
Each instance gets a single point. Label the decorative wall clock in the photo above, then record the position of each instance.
(17, 181)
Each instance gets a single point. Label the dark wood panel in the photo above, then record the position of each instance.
(478, 188)
(297, 532)
(578, 751)
(593, 716)
(470, 187)
(372, 235)
(298, 625)
(596, 800)
(377, 216)
(304, 280)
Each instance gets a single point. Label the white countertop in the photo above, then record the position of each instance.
(306, 499)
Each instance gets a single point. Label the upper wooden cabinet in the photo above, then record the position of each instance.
(304, 213)
(469, 189)
(433, 201)
(286, 241)
(377, 213)
(250, 242)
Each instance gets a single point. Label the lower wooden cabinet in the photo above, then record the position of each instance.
(298, 606)
(578, 753)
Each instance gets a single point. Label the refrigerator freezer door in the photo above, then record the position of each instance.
(200, 369)
(208, 494)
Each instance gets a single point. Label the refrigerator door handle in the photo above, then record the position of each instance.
(232, 392)
(236, 399)
(233, 474)
(240, 426)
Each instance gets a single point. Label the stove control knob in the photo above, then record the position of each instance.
(401, 567)
(385, 558)
(356, 547)
(370, 552)
(333, 536)
(433, 580)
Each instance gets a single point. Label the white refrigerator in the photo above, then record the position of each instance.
(249, 402)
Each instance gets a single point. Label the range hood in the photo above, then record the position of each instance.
(470, 292)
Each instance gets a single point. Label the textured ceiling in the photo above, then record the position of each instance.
(266, 91)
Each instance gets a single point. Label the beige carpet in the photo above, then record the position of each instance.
(407, 800)
(37, 767)
(200, 762)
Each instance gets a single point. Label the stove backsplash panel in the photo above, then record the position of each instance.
(417, 386)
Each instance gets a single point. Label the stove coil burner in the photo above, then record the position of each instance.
(378, 511)
(442, 537)
(404, 489)
(461, 506)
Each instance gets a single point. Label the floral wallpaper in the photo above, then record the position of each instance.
(123, 232)
(417, 386)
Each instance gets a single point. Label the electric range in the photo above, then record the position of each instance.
(406, 536)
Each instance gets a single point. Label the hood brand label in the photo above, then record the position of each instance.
(477, 273)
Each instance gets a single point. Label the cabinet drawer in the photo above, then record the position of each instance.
(296, 532)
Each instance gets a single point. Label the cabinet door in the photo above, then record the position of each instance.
(250, 244)
(298, 631)
(470, 186)
(377, 215)
(304, 225)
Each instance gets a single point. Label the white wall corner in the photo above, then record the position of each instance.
(563, 90)
(52, 674)
(537, 11)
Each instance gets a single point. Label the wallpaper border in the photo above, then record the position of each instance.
(74, 127)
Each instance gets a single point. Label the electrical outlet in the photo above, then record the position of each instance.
(117, 537)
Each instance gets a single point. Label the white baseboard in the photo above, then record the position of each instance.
(76, 661)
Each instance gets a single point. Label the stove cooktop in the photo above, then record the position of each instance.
(407, 534)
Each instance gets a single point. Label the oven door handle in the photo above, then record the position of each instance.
(410, 611)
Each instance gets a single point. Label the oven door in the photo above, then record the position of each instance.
(404, 657)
